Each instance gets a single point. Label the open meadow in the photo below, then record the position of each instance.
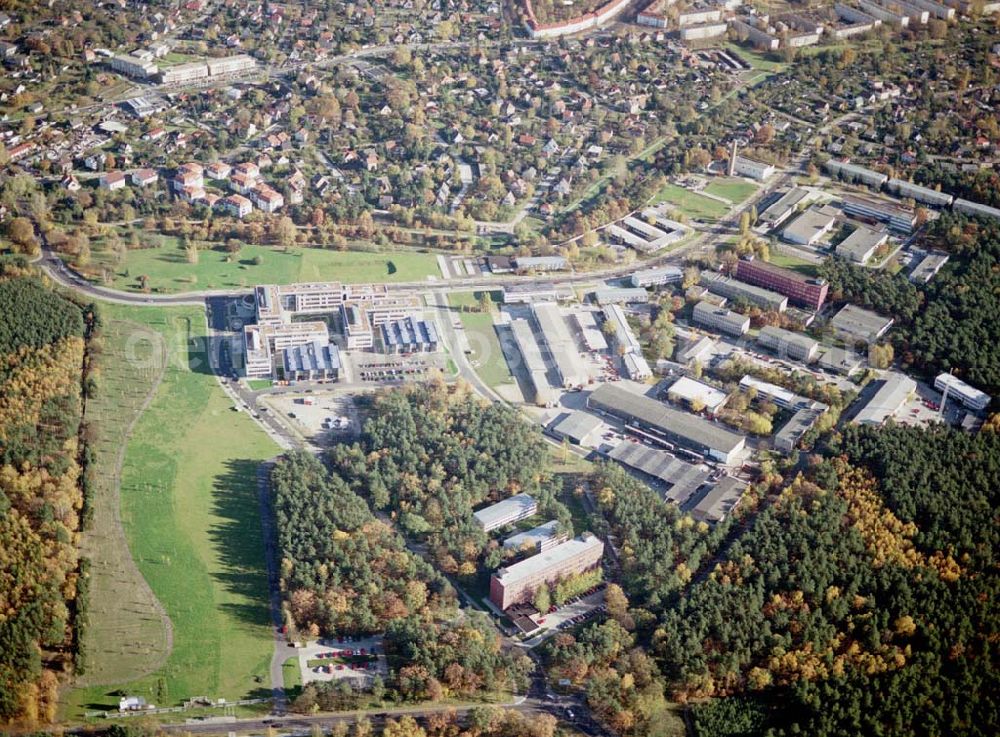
(169, 270)
(190, 514)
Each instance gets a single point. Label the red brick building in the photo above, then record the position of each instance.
(518, 583)
(802, 290)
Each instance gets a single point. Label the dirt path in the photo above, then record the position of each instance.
(130, 634)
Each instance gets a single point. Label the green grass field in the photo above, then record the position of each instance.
(487, 355)
(190, 513)
(756, 60)
(169, 271)
(734, 190)
(691, 203)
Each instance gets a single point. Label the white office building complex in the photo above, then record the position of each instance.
(969, 396)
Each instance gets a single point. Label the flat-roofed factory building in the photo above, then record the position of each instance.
(668, 426)
(741, 291)
(538, 539)
(783, 342)
(725, 321)
(506, 512)
(858, 325)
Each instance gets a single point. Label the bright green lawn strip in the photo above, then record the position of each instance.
(734, 190)
(487, 356)
(691, 203)
(169, 271)
(190, 512)
(292, 673)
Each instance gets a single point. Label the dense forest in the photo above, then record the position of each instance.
(892, 295)
(853, 605)
(959, 328)
(981, 186)
(41, 366)
(342, 569)
(430, 454)
(660, 548)
(949, 324)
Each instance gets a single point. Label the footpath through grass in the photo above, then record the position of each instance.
(127, 632)
(169, 270)
(190, 513)
(487, 356)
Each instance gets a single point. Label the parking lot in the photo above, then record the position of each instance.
(576, 611)
(358, 660)
(376, 367)
(321, 417)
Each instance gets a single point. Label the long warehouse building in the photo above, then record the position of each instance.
(667, 425)
(559, 344)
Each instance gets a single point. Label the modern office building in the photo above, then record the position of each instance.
(409, 335)
(182, 73)
(667, 426)
(264, 344)
(783, 342)
(231, 64)
(969, 396)
(856, 325)
(537, 539)
(317, 360)
(133, 66)
(725, 321)
(506, 512)
(518, 583)
(742, 292)
(800, 289)
(887, 400)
